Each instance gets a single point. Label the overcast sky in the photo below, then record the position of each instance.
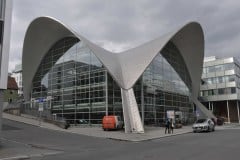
(118, 25)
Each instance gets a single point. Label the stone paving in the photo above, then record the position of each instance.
(150, 132)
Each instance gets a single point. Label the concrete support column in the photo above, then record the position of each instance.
(238, 111)
(142, 102)
(212, 106)
(131, 114)
(228, 112)
(209, 105)
(106, 91)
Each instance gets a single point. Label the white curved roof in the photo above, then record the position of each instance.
(125, 67)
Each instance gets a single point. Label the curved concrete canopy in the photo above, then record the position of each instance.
(125, 67)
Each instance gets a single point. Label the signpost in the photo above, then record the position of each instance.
(40, 110)
(197, 114)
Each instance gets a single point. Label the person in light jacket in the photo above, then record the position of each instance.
(171, 126)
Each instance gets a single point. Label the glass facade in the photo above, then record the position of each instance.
(220, 79)
(225, 77)
(74, 80)
(217, 68)
(161, 88)
(220, 88)
(75, 85)
(219, 91)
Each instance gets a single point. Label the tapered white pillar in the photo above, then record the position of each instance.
(132, 120)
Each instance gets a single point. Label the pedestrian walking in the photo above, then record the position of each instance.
(167, 123)
(171, 124)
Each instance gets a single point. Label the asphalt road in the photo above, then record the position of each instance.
(218, 145)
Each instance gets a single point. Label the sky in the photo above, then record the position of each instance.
(118, 25)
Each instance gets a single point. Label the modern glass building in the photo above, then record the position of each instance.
(220, 89)
(79, 80)
(77, 86)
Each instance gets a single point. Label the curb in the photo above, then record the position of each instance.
(149, 139)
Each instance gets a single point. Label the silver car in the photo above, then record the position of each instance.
(203, 125)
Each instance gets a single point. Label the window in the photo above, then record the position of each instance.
(221, 91)
(233, 90)
(228, 66)
(231, 78)
(220, 79)
(205, 93)
(227, 90)
(210, 92)
(219, 68)
(214, 80)
(209, 80)
(215, 92)
(211, 69)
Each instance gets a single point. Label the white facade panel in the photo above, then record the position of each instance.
(229, 72)
(221, 73)
(211, 74)
(231, 84)
(229, 60)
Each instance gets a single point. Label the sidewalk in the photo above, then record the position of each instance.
(150, 132)
(229, 126)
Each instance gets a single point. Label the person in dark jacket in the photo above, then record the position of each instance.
(167, 123)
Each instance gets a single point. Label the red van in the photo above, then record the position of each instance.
(112, 122)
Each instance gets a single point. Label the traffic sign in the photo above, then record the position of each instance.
(197, 113)
(40, 107)
(40, 100)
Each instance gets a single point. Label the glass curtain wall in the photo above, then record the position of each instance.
(72, 81)
(76, 86)
(165, 86)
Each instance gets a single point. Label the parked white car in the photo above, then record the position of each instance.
(203, 125)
